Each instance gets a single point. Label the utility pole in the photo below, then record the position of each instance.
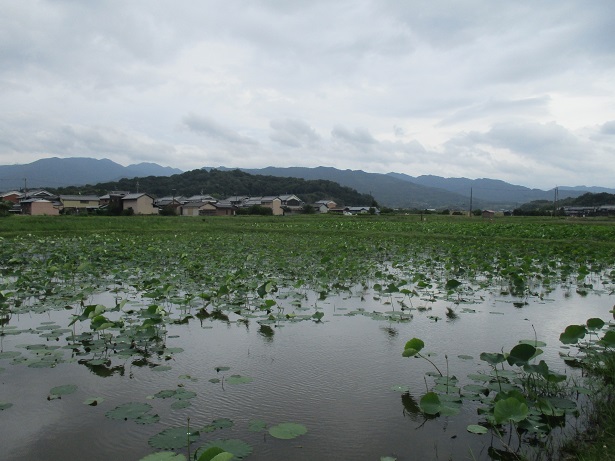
(470, 202)
(555, 197)
(25, 187)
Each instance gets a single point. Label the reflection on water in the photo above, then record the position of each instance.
(333, 374)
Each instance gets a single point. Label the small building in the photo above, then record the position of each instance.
(193, 208)
(292, 203)
(488, 214)
(328, 204)
(11, 196)
(39, 207)
(222, 208)
(140, 203)
(79, 203)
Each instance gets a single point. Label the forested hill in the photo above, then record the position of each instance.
(221, 184)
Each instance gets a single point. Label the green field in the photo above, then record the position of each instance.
(166, 272)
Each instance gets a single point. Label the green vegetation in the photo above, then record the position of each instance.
(166, 272)
(222, 184)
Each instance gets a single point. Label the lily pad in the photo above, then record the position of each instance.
(63, 390)
(238, 448)
(477, 429)
(5, 405)
(127, 411)
(221, 423)
(93, 401)
(164, 456)
(287, 430)
(173, 438)
(238, 379)
(257, 425)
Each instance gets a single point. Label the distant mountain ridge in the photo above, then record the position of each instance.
(59, 172)
(399, 190)
(396, 190)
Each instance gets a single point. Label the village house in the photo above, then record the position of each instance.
(139, 203)
(79, 203)
(222, 208)
(39, 207)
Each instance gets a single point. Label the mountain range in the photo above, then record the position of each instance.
(394, 190)
(58, 172)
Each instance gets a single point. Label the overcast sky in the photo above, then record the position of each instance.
(522, 91)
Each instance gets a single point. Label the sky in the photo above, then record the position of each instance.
(521, 91)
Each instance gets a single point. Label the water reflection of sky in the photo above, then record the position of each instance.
(334, 376)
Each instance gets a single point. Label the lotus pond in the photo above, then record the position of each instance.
(301, 338)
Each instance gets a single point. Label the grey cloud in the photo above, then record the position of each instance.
(500, 107)
(608, 128)
(359, 137)
(208, 127)
(293, 133)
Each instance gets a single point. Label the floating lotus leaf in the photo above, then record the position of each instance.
(214, 380)
(131, 410)
(147, 418)
(387, 458)
(477, 429)
(213, 453)
(465, 357)
(9, 354)
(93, 401)
(63, 390)
(430, 403)
(257, 425)
(287, 430)
(492, 358)
(219, 369)
(173, 438)
(161, 368)
(221, 423)
(238, 379)
(164, 456)
(179, 404)
(238, 448)
(5, 405)
(401, 388)
(166, 394)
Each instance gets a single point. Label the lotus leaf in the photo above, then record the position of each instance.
(572, 334)
(221, 423)
(238, 448)
(161, 368)
(430, 403)
(287, 430)
(257, 425)
(179, 404)
(520, 354)
(173, 438)
(63, 390)
(492, 358)
(238, 379)
(5, 405)
(93, 401)
(164, 456)
(9, 354)
(131, 410)
(510, 409)
(401, 388)
(477, 429)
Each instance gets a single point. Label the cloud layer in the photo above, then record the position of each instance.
(517, 91)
